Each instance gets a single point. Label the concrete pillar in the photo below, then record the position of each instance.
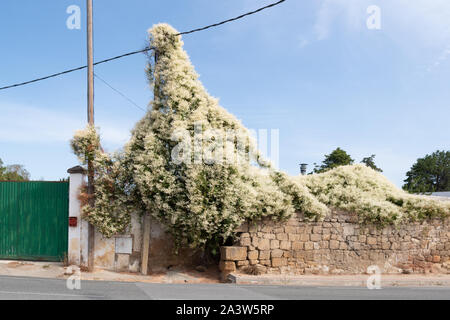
(76, 239)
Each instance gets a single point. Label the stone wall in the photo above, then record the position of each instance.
(338, 245)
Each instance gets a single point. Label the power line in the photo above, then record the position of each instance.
(117, 91)
(232, 19)
(142, 50)
(44, 78)
(75, 69)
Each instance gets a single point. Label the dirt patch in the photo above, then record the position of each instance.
(18, 264)
(188, 275)
(210, 275)
(171, 275)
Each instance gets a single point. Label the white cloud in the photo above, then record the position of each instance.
(441, 59)
(349, 12)
(427, 21)
(27, 124)
(303, 42)
(420, 28)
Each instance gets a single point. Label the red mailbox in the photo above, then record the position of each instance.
(73, 221)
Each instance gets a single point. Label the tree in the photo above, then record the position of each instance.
(369, 161)
(2, 169)
(429, 174)
(335, 159)
(14, 172)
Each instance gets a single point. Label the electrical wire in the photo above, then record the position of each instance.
(120, 93)
(232, 19)
(75, 69)
(140, 51)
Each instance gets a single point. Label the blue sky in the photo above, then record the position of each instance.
(311, 69)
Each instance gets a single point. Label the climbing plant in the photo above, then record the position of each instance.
(195, 168)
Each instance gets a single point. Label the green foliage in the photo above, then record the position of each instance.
(359, 189)
(429, 174)
(202, 202)
(13, 172)
(333, 160)
(370, 162)
(113, 202)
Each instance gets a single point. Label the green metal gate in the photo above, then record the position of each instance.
(34, 220)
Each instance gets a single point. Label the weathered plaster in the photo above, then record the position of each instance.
(74, 253)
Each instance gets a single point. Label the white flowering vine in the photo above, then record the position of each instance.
(198, 200)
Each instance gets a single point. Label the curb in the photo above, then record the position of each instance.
(340, 281)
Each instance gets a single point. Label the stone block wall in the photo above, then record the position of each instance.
(338, 245)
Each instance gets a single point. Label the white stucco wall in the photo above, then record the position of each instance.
(74, 249)
(128, 246)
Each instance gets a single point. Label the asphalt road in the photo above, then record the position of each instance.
(15, 288)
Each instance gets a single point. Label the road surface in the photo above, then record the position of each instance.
(18, 288)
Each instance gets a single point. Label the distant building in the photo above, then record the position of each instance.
(445, 194)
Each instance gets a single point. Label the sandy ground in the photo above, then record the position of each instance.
(212, 275)
(58, 271)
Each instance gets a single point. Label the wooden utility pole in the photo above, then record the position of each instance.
(145, 243)
(90, 58)
(90, 116)
(145, 249)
